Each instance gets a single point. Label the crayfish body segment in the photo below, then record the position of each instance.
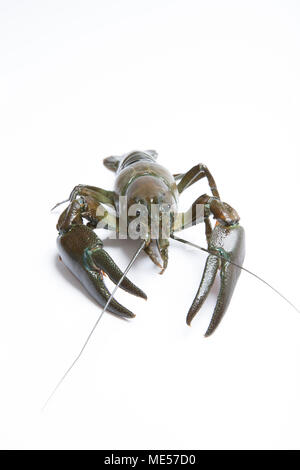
(143, 185)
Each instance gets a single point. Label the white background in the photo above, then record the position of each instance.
(200, 81)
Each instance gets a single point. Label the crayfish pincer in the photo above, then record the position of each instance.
(144, 204)
(82, 252)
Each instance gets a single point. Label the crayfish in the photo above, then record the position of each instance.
(145, 205)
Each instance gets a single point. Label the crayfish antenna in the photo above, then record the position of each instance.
(58, 204)
(96, 324)
(218, 255)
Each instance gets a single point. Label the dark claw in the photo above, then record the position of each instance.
(105, 263)
(229, 242)
(82, 252)
(210, 271)
(95, 285)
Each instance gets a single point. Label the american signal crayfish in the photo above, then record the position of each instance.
(148, 195)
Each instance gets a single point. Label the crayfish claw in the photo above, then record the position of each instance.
(228, 244)
(101, 294)
(105, 263)
(229, 275)
(82, 252)
(210, 272)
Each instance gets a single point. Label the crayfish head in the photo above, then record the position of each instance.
(151, 207)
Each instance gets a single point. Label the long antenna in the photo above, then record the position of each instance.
(59, 203)
(96, 324)
(238, 266)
